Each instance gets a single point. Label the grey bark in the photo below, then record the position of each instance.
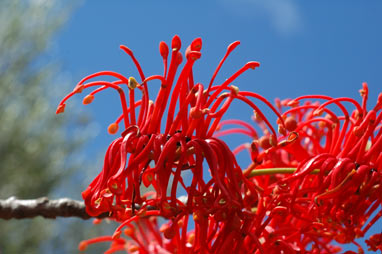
(13, 208)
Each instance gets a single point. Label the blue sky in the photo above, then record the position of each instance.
(304, 47)
(326, 48)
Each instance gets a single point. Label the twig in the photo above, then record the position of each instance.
(13, 208)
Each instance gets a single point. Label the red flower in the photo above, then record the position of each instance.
(147, 154)
(316, 181)
(333, 191)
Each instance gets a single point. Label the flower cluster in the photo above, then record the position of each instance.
(314, 181)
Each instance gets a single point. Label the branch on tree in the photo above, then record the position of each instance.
(13, 208)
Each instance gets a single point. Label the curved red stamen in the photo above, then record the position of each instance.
(249, 65)
(230, 48)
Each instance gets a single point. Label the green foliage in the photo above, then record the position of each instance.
(35, 149)
(32, 138)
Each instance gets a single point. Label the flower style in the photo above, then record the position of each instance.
(313, 181)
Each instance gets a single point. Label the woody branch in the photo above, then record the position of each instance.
(13, 208)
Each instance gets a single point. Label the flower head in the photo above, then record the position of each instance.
(315, 180)
(150, 155)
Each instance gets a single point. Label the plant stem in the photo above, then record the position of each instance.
(272, 171)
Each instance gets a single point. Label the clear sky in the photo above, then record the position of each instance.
(304, 47)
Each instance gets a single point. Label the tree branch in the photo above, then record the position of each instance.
(13, 208)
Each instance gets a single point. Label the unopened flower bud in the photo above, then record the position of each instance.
(290, 123)
(196, 113)
(129, 231)
(176, 43)
(196, 45)
(252, 64)
(113, 128)
(117, 235)
(264, 142)
(88, 99)
(78, 89)
(60, 109)
(282, 130)
(163, 49)
(83, 246)
(292, 103)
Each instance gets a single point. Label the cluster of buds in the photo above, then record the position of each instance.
(313, 182)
